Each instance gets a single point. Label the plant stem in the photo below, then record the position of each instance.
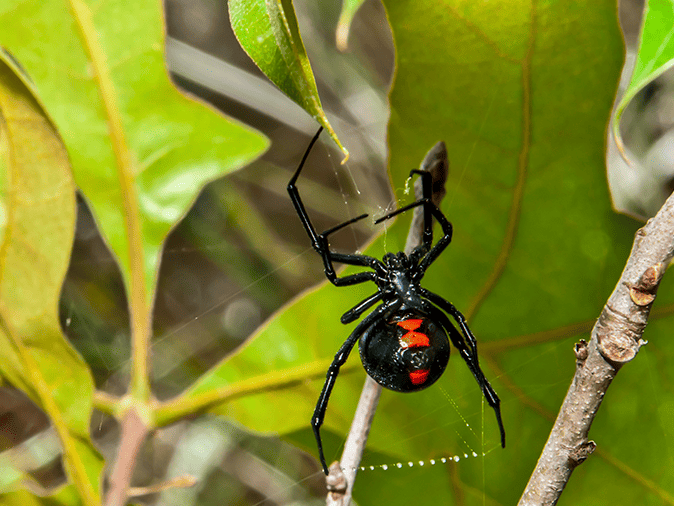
(615, 340)
(134, 266)
(189, 403)
(134, 431)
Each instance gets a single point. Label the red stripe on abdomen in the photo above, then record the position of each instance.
(413, 339)
(419, 377)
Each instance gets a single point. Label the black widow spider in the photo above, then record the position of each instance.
(403, 342)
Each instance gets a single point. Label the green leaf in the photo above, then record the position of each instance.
(66, 496)
(140, 150)
(536, 249)
(655, 54)
(268, 32)
(38, 206)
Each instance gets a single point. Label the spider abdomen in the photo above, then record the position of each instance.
(406, 352)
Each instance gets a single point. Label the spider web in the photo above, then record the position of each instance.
(178, 342)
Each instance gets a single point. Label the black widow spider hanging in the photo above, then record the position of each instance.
(403, 342)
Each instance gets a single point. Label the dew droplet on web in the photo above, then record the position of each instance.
(420, 463)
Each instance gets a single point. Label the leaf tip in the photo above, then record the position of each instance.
(342, 37)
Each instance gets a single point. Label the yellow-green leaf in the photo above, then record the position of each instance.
(38, 205)
(140, 150)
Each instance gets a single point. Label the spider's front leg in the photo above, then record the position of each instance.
(320, 241)
(350, 259)
(430, 211)
(427, 191)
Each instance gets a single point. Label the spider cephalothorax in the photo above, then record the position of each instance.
(404, 341)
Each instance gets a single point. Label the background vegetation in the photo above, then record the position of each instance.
(520, 92)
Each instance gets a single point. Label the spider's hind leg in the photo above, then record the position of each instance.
(466, 343)
(333, 371)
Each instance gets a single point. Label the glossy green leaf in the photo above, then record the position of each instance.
(521, 94)
(140, 150)
(655, 54)
(38, 209)
(480, 100)
(268, 32)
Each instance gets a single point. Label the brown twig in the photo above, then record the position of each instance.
(615, 340)
(184, 481)
(134, 432)
(342, 475)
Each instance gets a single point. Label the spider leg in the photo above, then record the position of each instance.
(355, 312)
(349, 259)
(448, 307)
(333, 371)
(442, 243)
(468, 351)
(320, 242)
(427, 194)
(427, 202)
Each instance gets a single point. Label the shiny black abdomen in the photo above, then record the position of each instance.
(406, 352)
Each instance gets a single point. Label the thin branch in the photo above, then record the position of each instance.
(183, 481)
(615, 340)
(106, 403)
(134, 431)
(342, 475)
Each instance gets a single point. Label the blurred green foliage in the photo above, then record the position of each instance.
(520, 93)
